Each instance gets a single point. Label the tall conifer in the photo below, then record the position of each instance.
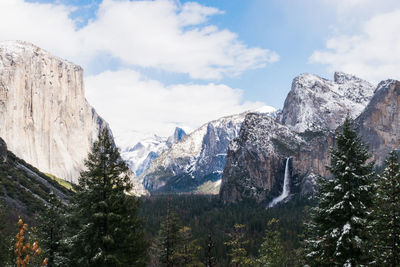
(169, 240)
(50, 229)
(386, 225)
(237, 242)
(339, 223)
(109, 232)
(271, 253)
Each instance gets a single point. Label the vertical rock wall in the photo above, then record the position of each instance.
(44, 116)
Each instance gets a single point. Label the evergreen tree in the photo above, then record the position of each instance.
(189, 250)
(168, 240)
(210, 252)
(237, 243)
(109, 232)
(386, 225)
(271, 252)
(340, 221)
(3, 240)
(50, 229)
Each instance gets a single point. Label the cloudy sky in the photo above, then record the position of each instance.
(153, 65)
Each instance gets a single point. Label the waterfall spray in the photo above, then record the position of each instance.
(286, 187)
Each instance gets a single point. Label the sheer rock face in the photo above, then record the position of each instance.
(317, 104)
(379, 124)
(254, 165)
(44, 116)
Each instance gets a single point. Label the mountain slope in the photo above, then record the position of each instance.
(140, 156)
(199, 157)
(44, 116)
(23, 187)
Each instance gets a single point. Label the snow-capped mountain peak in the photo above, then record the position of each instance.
(316, 104)
(140, 155)
(198, 158)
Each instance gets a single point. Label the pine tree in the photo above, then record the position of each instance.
(168, 240)
(237, 243)
(3, 240)
(50, 229)
(339, 224)
(210, 252)
(108, 230)
(271, 252)
(189, 250)
(386, 225)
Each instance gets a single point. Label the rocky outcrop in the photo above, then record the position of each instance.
(196, 159)
(256, 159)
(317, 104)
(379, 124)
(44, 116)
(3, 151)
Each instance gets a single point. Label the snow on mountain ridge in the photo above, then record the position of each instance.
(197, 155)
(140, 156)
(318, 104)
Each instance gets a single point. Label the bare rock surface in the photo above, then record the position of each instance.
(44, 116)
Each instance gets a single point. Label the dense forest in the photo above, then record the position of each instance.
(353, 220)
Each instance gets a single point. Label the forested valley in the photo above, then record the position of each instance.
(353, 220)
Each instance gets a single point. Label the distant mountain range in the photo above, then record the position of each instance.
(141, 155)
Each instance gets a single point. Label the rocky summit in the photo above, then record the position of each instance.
(304, 131)
(317, 104)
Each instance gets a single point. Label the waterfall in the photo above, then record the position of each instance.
(286, 187)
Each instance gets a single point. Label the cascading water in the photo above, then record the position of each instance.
(286, 187)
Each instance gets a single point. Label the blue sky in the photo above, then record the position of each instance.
(153, 65)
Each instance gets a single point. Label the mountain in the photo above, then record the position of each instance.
(196, 159)
(140, 156)
(304, 131)
(317, 104)
(23, 187)
(44, 116)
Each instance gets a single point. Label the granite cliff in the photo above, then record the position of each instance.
(44, 116)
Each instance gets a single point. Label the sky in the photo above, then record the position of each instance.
(153, 65)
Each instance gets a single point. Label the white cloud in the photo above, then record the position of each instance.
(355, 10)
(129, 101)
(45, 25)
(373, 53)
(161, 34)
(155, 34)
